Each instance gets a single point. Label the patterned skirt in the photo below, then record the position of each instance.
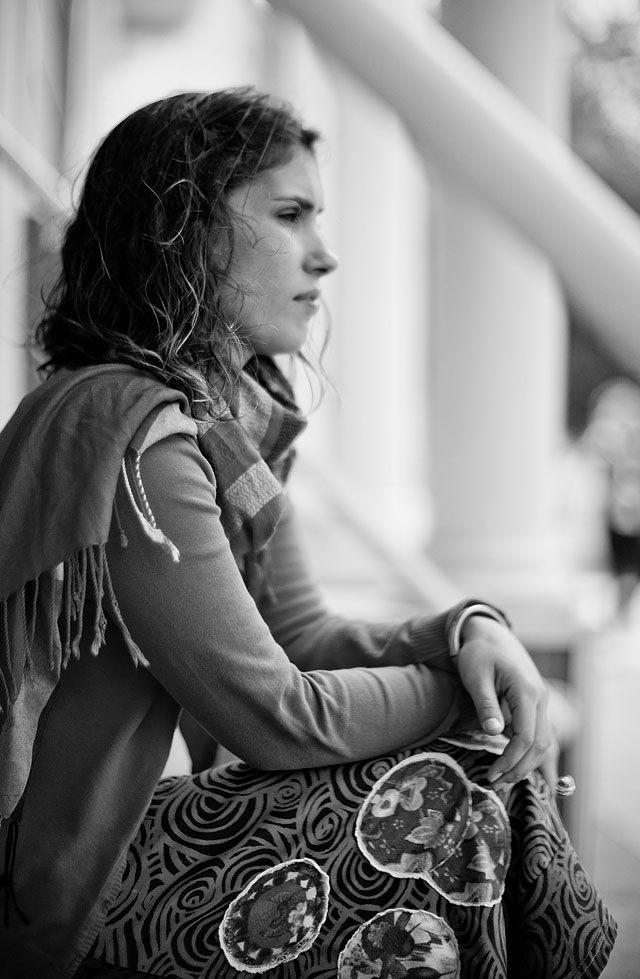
(401, 867)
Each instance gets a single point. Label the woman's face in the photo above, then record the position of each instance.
(278, 257)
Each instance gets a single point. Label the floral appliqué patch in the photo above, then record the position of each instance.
(401, 943)
(425, 819)
(276, 917)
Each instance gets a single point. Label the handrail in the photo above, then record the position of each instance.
(421, 578)
(50, 189)
(463, 119)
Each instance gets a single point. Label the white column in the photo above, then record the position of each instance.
(380, 336)
(499, 344)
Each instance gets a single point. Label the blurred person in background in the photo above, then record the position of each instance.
(393, 807)
(612, 438)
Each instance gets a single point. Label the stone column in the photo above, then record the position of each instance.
(499, 342)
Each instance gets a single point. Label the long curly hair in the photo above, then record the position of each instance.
(151, 242)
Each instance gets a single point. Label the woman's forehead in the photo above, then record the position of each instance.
(298, 179)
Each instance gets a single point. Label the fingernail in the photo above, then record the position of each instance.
(492, 725)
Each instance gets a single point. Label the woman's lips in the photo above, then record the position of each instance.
(311, 299)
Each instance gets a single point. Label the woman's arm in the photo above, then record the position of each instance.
(494, 667)
(210, 648)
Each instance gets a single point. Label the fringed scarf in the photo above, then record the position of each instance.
(61, 456)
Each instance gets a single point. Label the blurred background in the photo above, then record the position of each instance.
(480, 433)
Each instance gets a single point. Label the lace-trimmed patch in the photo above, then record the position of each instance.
(401, 942)
(276, 917)
(425, 819)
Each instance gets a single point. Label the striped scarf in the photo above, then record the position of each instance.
(249, 449)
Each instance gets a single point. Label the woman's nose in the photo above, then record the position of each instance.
(330, 262)
(321, 260)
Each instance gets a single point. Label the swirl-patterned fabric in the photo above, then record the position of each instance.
(205, 838)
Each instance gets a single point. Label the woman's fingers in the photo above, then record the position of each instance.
(508, 694)
(549, 766)
(528, 747)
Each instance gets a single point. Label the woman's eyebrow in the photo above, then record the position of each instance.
(303, 202)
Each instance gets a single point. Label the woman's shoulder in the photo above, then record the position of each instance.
(107, 395)
(98, 410)
(92, 385)
(166, 420)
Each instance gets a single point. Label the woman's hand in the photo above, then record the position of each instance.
(510, 697)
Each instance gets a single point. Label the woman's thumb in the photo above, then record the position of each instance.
(492, 724)
(488, 710)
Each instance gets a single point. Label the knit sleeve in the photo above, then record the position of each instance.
(210, 648)
(316, 638)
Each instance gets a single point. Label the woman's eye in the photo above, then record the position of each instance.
(291, 215)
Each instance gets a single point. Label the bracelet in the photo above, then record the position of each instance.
(476, 608)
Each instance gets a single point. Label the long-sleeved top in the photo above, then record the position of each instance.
(279, 681)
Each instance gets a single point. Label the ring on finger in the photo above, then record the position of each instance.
(565, 786)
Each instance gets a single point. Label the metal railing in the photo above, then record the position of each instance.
(422, 581)
(49, 191)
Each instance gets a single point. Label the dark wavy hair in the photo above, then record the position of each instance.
(151, 242)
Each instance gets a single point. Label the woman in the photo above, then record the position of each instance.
(153, 566)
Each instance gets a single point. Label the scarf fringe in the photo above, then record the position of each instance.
(49, 612)
(88, 580)
(48, 616)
